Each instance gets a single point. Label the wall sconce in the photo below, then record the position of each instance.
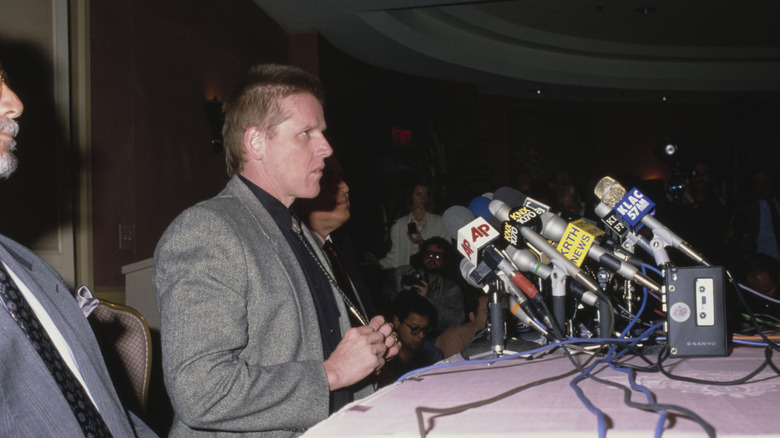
(216, 120)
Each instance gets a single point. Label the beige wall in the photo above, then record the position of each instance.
(153, 66)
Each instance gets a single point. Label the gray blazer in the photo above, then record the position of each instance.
(32, 404)
(242, 354)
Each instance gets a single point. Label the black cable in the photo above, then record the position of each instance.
(556, 328)
(664, 354)
(424, 427)
(742, 299)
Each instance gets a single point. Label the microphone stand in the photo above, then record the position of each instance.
(493, 341)
(558, 283)
(496, 313)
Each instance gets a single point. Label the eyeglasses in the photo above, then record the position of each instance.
(434, 255)
(416, 330)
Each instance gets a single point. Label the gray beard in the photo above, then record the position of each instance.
(8, 161)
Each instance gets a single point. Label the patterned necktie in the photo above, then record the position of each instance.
(343, 279)
(85, 412)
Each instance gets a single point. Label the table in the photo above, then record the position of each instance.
(521, 397)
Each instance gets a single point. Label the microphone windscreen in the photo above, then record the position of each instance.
(509, 196)
(479, 206)
(602, 186)
(455, 218)
(609, 191)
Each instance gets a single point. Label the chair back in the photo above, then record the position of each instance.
(126, 344)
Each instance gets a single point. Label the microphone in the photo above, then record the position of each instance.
(474, 238)
(528, 220)
(504, 213)
(575, 243)
(527, 262)
(480, 251)
(633, 207)
(479, 207)
(471, 234)
(514, 197)
(579, 236)
(522, 308)
(627, 239)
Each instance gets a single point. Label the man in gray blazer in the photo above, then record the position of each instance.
(255, 340)
(33, 405)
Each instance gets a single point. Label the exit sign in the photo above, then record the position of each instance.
(402, 137)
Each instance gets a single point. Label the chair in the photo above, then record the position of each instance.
(126, 344)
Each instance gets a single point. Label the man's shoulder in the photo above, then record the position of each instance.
(233, 194)
(18, 256)
(450, 283)
(234, 203)
(11, 244)
(19, 252)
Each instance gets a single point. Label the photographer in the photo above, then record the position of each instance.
(431, 276)
(413, 318)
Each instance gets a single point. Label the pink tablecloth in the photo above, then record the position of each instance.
(522, 397)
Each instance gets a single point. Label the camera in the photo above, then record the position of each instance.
(679, 181)
(412, 278)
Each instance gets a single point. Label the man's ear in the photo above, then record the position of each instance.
(396, 322)
(254, 143)
(472, 317)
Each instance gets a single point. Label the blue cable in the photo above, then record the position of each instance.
(515, 355)
(610, 356)
(613, 355)
(652, 268)
(602, 421)
(659, 427)
(753, 343)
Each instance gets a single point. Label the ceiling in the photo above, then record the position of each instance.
(601, 50)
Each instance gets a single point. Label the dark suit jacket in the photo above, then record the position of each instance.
(242, 350)
(343, 243)
(32, 403)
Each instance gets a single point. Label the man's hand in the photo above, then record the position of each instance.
(391, 338)
(362, 351)
(422, 288)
